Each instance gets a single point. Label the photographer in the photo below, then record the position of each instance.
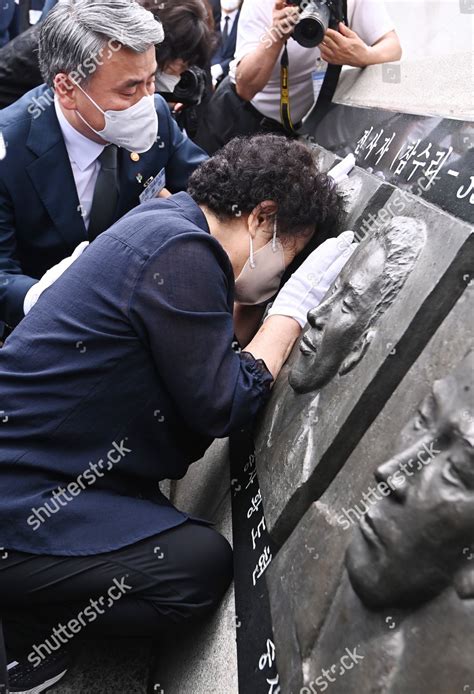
(184, 57)
(266, 29)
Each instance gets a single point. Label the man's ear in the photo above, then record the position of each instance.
(357, 352)
(464, 582)
(64, 88)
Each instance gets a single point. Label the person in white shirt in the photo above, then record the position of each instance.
(265, 28)
(370, 39)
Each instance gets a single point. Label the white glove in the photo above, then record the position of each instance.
(340, 171)
(49, 277)
(308, 285)
(216, 72)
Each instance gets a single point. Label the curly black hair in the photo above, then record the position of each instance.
(250, 170)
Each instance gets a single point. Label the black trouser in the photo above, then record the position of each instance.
(227, 116)
(156, 587)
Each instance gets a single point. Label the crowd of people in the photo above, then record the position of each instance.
(131, 263)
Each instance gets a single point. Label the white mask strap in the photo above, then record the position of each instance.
(251, 259)
(274, 239)
(86, 94)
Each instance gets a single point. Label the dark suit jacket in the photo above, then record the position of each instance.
(48, 5)
(7, 12)
(127, 359)
(40, 220)
(225, 51)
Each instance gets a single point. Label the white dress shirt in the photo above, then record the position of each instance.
(83, 154)
(368, 18)
(232, 15)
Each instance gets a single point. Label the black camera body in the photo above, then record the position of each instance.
(316, 17)
(190, 88)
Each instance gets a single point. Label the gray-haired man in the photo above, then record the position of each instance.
(82, 148)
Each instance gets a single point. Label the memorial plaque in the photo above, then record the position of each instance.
(427, 156)
(362, 192)
(374, 322)
(311, 596)
(253, 553)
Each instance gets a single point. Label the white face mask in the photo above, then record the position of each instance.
(165, 82)
(229, 5)
(135, 128)
(261, 275)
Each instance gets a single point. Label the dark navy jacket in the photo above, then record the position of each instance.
(7, 12)
(40, 218)
(48, 5)
(124, 364)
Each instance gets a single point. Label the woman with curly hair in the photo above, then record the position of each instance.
(274, 180)
(122, 374)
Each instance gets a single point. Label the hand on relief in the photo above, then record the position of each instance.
(308, 285)
(50, 277)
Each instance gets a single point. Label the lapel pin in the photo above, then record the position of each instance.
(134, 156)
(139, 177)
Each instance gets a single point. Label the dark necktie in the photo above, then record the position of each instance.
(106, 193)
(24, 15)
(225, 33)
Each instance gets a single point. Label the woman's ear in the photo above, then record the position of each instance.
(252, 223)
(261, 217)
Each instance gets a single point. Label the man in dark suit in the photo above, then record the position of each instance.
(229, 11)
(61, 182)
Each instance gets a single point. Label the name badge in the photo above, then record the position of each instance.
(155, 186)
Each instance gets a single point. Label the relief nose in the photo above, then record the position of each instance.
(316, 319)
(398, 483)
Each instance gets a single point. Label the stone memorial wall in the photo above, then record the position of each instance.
(365, 452)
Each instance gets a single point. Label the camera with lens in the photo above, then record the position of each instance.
(190, 89)
(316, 16)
